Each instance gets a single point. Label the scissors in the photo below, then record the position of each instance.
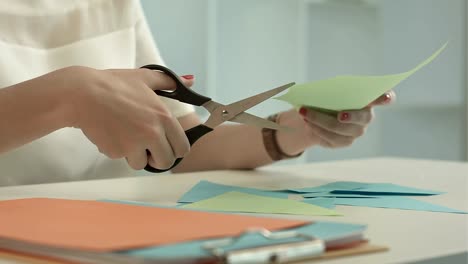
(219, 113)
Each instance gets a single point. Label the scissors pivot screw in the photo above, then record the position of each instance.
(225, 113)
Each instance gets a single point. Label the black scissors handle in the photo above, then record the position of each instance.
(193, 134)
(185, 95)
(181, 93)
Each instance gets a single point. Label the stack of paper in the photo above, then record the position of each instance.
(113, 232)
(317, 200)
(218, 197)
(383, 195)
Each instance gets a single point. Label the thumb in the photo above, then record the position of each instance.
(385, 99)
(157, 80)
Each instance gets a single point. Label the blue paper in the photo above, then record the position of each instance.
(332, 194)
(340, 185)
(137, 203)
(387, 189)
(322, 202)
(322, 230)
(361, 188)
(204, 190)
(395, 202)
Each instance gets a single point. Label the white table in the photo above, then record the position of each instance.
(411, 235)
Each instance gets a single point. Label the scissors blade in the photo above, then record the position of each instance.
(249, 119)
(242, 105)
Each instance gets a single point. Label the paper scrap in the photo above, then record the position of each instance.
(394, 202)
(347, 92)
(205, 189)
(249, 203)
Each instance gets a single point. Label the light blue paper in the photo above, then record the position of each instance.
(395, 202)
(204, 190)
(387, 189)
(340, 185)
(322, 202)
(361, 188)
(137, 203)
(322, 230)
(332, 194)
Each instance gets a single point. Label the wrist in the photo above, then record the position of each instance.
(271, 143)
(284, 138)
(60, 111)
(74, 99)
(297, 140)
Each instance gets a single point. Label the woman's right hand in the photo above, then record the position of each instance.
(119, 112)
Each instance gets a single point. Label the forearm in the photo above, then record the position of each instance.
(227, 147)
(241, 147)
(236, 147)
(28, 111)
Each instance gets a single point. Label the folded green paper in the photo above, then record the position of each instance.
(347, 92)
(250, 203)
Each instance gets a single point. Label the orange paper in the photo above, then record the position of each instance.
(104, 226)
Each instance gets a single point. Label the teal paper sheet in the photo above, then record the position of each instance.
(333, 194)
(204, 190)
(395, 202)
(388, 189)
(322, 230)
(358, 189)
(339, 185)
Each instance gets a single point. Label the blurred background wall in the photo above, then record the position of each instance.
(237, 48)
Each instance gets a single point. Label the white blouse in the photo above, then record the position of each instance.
(39, 36)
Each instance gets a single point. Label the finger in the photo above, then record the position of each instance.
(330, 139)
(156, 80)
(176, 136)
(359, 117)
(331, 124)
(387, 98)
(188, 80)
(137, 160)
(162, 156)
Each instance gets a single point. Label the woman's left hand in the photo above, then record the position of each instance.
(330, 131)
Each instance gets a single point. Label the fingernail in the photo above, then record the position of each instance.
(303, 111)
(188, 77)
(344, 116)
(387, 98)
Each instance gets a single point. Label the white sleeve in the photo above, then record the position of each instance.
(147, 53)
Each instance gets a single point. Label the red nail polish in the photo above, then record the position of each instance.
(188, 77)
(303, 111)
(344, 116)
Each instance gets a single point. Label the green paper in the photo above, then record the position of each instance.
(347, 92)
(249, 203)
